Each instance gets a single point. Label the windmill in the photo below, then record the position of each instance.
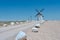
(39, 15)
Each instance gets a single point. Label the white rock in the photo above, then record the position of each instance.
(37, 25)
(34, 29)
(4, 25)
(21, 22)
(12, 23)
(21, 35)
(17, 23)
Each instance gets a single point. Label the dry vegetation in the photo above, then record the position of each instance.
(8, 22)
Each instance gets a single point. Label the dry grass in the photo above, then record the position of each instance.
(8, 22)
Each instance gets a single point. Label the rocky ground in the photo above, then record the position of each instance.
(50, 30)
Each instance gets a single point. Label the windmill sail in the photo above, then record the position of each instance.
(38, 15)
(41, 10)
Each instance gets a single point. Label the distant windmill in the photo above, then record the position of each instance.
(39, 14)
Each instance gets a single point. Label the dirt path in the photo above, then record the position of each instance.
(50, 30)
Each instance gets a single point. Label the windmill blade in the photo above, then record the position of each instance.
(37, 10)
(41, 10)
(36, 15)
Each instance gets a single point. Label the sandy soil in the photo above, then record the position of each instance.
(50, 30)
(9, 33)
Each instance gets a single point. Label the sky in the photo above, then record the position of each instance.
(24, 9)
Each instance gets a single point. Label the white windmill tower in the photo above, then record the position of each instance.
(39, 15)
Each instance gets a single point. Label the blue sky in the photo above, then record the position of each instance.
(23, 9)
